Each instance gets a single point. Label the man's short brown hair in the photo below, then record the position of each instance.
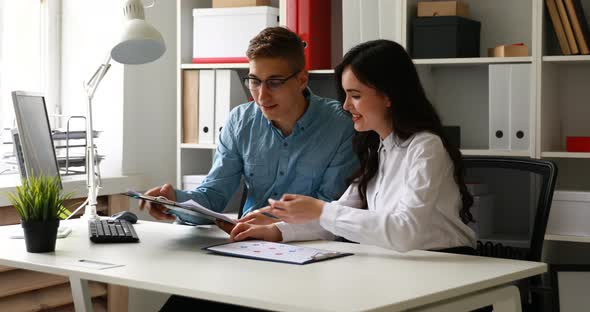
(278, 42)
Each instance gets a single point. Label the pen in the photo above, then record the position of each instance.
(270, 215)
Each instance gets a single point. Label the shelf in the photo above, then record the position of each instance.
(566, 59)
(564, 155)
(567, 238)
(473, 61)
(215, 66)
(198, 146)
(241, 66)
(483, 152)
(321, 71)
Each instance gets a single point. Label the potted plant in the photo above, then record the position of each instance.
(40, 204)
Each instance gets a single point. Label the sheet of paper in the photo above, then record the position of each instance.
(95, 265)
(193, 208)
(189, 207)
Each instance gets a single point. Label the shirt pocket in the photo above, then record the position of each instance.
(305, 181)
(258, 177)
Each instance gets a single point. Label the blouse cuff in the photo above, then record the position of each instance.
(328, 216)
(287, 231)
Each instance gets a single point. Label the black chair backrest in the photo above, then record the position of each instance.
(517, 193)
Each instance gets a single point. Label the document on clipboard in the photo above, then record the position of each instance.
(276, 252)
(190, 207)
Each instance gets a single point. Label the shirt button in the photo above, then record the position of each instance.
(275, 194)
(251, 174)
(281, 173)
(285, 144)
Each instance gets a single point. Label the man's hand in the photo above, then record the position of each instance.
(156, 210)
(243, 231)
(225, 226)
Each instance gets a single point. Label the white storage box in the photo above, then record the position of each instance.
(222, 35)
(191, 182)
(570, 214)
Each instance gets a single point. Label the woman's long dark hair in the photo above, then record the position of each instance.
(385, 66)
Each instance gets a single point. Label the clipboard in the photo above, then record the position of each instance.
(275, 252)
(190, 207)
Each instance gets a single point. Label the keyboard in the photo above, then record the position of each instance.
(112, 231)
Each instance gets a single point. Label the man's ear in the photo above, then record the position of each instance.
(303, 79)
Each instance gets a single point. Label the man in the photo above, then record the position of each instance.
(287, 140)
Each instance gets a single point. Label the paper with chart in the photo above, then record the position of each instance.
(275, 252)
(190, 207)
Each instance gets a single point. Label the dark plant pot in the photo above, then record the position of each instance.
(40, 236)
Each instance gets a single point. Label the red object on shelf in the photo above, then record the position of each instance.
(577, 144)
(310, 19)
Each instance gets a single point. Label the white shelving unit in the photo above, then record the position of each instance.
(458, 87)
(563, 94)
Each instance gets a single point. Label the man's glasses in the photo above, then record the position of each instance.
(272, 84)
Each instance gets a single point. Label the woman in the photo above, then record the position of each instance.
(409, 191)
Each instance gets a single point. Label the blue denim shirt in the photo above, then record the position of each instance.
(314, 160)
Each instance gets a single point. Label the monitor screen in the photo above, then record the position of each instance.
(34, 134)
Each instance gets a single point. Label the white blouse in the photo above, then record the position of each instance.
(413, 202)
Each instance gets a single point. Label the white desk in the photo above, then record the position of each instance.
(169, 259)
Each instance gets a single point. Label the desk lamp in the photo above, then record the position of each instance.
(140, 43)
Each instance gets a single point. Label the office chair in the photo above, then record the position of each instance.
(512, 198)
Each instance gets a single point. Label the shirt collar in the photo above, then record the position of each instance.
(387, 143)
(392, 141)
(310, 113)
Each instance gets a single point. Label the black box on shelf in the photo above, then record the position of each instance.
(445, 37)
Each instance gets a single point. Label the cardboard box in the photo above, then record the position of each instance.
(222, 35)
(238, 3)
(443, 8)
(509, 51)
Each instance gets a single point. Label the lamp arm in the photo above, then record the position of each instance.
(99, 74)
(92, 176)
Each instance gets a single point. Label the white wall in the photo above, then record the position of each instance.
(149, 128)
(134, 105)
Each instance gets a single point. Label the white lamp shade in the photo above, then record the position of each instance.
(140, 43)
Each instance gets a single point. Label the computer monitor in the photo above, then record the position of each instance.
(34, 135)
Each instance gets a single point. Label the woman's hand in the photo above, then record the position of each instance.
(260, 216)
(267, 232)
(297, 208)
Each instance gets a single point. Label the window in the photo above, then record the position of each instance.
(29, 49)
